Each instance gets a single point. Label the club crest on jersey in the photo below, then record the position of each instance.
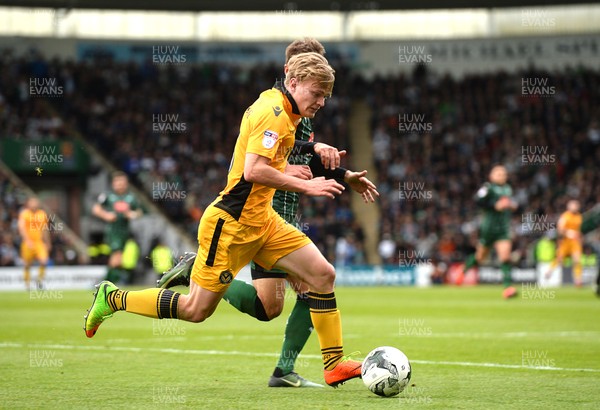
(225, 277)
(269, 139)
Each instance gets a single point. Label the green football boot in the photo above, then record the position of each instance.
(99, 311)
(178, 275)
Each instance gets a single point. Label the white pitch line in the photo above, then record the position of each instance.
(504, 366)
(258, 354)
(416, 332)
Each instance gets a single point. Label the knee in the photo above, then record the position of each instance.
(325, 279)
(273, 309)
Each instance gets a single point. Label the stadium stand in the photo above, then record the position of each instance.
(120, 108)
(475, 122)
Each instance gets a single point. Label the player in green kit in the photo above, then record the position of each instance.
(117, 208)
(264, 298)
(494, 197)
(591, 221)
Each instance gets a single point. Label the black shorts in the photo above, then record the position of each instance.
(258, 272)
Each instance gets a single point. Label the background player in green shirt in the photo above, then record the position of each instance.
(117, 208)
(264, 299)
(494, 197)
(591, 221)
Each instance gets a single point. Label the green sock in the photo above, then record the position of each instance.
(297, 331)
(113, 275)
(470, 262)
(506, 274)
(243, 297)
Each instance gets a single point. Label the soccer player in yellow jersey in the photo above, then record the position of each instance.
(570, 242)
(35, 244)
(241, 225)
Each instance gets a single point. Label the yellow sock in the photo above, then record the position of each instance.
(26, 276)
(41, 273)
(327, 321)
(153, 302)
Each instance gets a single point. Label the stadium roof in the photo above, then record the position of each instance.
(270, 5)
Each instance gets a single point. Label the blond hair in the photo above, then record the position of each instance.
(306, 45)
(311, 66)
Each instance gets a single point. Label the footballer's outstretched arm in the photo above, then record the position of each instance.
(330, 156)
(257, 170)
(356, 180)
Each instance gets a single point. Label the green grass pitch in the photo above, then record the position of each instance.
(469, 349)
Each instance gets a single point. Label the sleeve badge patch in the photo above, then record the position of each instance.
(269, 139)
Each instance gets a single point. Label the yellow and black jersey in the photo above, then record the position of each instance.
(572, 221)
(267, 129)
(35, 222)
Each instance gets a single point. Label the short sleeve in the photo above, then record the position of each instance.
(102, 199)
(266, 128)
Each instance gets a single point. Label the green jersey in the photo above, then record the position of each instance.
(591, 220)
(495, 225)
(286, 203)
(117, 232)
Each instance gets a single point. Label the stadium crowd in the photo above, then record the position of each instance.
(172, 128)
(435, 139)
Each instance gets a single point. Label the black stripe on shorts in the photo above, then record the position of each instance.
(210, 260)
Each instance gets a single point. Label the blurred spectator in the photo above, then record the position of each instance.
(172, 129)
(465, 125)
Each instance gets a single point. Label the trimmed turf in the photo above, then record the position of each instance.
(469, 349)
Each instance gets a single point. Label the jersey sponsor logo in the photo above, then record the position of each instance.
(121, 207)
(269, 139)
(225, 277)
(277, 110)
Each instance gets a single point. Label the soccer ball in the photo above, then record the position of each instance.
(386, 371)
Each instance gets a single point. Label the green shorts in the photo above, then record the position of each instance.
(116, 242)
(487, 237)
